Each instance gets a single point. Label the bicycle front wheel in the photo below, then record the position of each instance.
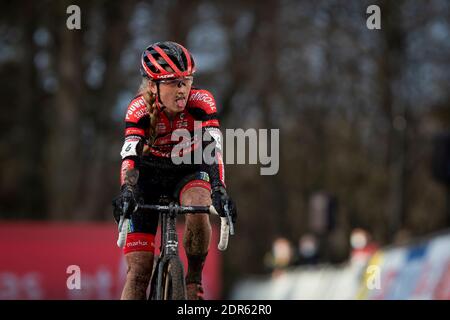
(173, 283)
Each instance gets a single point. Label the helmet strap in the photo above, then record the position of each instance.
(159, 103)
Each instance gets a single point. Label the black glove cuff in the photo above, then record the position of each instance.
(220, 189)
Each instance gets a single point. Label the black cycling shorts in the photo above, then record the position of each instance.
(160, 178)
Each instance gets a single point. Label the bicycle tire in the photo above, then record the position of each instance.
(173, 283)
(153, 280)
(174, 286)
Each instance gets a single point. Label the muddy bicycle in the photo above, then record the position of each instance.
(167, 281)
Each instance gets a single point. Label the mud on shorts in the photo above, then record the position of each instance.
(160, 178)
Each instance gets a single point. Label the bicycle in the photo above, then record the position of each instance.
(167, 281)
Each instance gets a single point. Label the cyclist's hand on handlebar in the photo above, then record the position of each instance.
(129, 194)
(221, 201)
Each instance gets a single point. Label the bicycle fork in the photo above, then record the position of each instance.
(169, 247)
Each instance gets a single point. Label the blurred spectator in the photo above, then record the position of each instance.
(280, 256)
(362, 245)
(308, 249)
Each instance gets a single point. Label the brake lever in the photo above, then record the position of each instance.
(230, 221)
(126, 204)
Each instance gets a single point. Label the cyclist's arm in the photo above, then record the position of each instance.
(216, 170)
(204, 109)
(136, 128)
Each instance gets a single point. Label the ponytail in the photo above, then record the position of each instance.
(150, 101)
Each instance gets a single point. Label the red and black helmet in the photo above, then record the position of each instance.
(167, 53)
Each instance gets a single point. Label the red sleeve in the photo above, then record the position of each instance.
(202, 106)
(137, 123)
(137, 118)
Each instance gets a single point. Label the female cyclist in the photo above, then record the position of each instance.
(167, 102)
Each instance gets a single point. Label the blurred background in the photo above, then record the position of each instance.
(364, 119)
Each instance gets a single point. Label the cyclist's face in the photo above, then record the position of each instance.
(173, 94)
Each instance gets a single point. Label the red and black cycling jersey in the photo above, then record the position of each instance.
(200, 111)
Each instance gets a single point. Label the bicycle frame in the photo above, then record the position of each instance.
(168, 249)
(169, 242)
(169, 237)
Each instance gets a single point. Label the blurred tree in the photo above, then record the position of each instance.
(357, 109)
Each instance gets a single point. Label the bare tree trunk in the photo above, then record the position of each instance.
(268, 13)
(395, 110)
(180, 17)
(63, 166)
(31, 114)
(95, 167)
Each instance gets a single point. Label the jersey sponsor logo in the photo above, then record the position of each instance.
(135, 115)
(163, 140)
(134, 131)
(137, 243)
(205, 98)
(210, 123)
(136, 110)
(132, 138)
(181, 124)
(159, 153)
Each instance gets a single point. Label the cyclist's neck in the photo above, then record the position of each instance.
(170, 114)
